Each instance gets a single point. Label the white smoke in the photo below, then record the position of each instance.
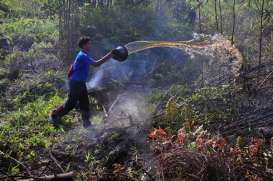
(95, 81)
(129, 109)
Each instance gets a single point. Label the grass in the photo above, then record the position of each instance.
(24, 131)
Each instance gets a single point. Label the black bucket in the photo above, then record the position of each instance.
(120, 53)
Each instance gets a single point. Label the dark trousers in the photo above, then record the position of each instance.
(77, 94)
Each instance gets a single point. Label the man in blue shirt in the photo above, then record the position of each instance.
(78, 75)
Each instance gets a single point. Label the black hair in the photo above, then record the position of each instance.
(84, 40)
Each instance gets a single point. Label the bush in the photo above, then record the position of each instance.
(202, 107)
(30, 29)
(123, 23)
(41, 57)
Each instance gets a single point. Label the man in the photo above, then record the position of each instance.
(78, 75)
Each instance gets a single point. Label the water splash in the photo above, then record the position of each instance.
(216, 46)
(202, 44)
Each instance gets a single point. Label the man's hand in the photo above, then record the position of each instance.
(104, 59)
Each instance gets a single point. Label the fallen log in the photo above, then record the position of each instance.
(59, 177)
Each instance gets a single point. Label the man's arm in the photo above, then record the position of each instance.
(102, 60)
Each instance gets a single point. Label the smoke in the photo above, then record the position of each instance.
(112, 72)
(95, 81)
(129, 111)
(130, 108)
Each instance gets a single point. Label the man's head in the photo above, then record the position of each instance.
(85, 43)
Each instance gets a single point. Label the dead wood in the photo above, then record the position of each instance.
(59, 177)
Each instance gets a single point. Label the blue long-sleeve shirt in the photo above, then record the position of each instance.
(81, 66)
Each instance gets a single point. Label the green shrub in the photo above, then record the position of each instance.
(39, 58)
(21, 8)
(125, 23)
(36, 29)
(26, 129)
(33, 113)
(202, 107)
(209, 104)
(175, 90)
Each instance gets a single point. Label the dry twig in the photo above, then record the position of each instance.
(56, 161)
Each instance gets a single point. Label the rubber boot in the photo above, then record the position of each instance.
(54, 116)
(85, 119)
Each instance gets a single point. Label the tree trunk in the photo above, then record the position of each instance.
(261, 33)
(221, 17)
(216, 15)
(199, 18)
(69, 29)
(234, 22)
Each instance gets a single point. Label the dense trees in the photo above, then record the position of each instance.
(243, 21)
